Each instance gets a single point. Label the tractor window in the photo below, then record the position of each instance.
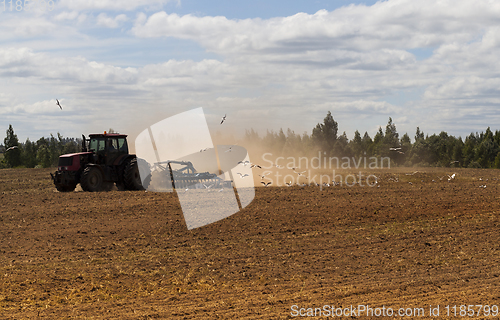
(122, 145)
(97, 145)
(112, 144)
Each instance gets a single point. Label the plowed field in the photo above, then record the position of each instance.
(129, 255)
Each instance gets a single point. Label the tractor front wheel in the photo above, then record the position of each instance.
(92, 179)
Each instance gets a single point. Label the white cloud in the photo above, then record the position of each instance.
(67, 15)
(385, 25)
(34, 27)
(108, 22)
(24, 63)
(122, 5)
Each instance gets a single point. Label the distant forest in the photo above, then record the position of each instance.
(477, 150)
(438, 150)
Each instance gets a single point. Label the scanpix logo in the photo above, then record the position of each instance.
(177, 153)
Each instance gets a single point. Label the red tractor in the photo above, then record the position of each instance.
(104, 161)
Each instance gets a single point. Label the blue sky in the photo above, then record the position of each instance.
(267, 65)
(241, 9)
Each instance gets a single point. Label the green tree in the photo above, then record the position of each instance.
(325, 134)
(29, 154)
(44, 157)
(356, 144)
(391, 138)
(71, 147)
(468, 150)
(419, 135)
(341, 146)
(13, 156)
(497, 161)
(406, 148)
(457, 153)
(367, 144)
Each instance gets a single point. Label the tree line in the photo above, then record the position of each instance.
(42, 153)
(477, 150)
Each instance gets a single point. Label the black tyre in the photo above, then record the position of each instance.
(131, 176)
(92, 179)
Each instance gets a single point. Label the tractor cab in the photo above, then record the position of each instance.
(108, 147)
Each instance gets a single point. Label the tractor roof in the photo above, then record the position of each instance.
(102, 135)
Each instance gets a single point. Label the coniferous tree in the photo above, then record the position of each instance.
(29, 154)
(367, 144)
(13, 156)
(325, 134)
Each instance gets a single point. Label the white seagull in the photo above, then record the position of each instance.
(266, 184)
(410, 174)
(264, 175)
(242, 175)
(223, 119)
(12, 148)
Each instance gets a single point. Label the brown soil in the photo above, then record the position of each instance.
(129, 255)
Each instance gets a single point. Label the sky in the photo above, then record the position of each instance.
(267, 65)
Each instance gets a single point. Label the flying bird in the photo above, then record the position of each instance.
(223, 119)
(299, 173)
(57, 103)
(203, 149)
(264, 175)
(410, 174)
(242, 175)
(266, 184)
(12, 148)
(395, 149)
(255, 165)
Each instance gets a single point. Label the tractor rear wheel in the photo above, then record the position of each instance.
(131, 176)
(92, 179)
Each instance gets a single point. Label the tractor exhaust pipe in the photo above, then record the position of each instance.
(84, 144)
